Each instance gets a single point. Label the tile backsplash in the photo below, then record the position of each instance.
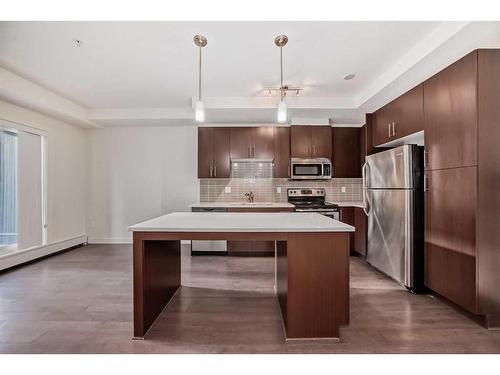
(258, 178)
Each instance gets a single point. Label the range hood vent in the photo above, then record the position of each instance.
(252, 160)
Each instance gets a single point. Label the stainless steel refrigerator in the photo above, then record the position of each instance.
(393, 197)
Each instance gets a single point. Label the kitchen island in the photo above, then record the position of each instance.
(312, 265)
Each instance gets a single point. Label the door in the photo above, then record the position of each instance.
(346, 152)
(300, 141)
(390, 238)
(450, 115)
(281, 152)
(408, 111)
(450, 234)
(221, 159)
(381, 130)
(321, 142)
(347, 216)
(240, 143)
(263, 142)
(390, 169)
(360, 233)
(205, 152)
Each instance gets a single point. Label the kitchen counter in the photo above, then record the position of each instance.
(242, 222)
(311, 265)
(349, 204)
(242, 205)
(264, 204)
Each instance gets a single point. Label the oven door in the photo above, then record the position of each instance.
(306, 171)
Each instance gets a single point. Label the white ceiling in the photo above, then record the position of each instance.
(135, 72)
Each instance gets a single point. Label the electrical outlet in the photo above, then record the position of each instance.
(227, 189)
(343, 189)
(278, 189)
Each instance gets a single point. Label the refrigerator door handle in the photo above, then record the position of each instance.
(363, 174)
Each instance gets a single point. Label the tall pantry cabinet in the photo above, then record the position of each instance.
(462, 183)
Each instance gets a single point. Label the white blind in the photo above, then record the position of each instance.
(29, 197)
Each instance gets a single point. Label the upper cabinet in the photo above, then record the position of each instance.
(213, 153)
(311, 141)
(281, 152)
(401, 117)
(346, 152)
(252, 142)
(450, 102)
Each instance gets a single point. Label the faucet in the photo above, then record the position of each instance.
(249, 197)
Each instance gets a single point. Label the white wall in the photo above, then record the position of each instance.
(137, 173)
(66, 171)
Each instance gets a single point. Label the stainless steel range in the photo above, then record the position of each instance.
(312, 200)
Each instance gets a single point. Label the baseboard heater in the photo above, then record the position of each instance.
(24, 256)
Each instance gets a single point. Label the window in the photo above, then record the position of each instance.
(22, 196)
(8, 189)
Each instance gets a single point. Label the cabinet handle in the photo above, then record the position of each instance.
(248, 153)
(211, 170)
(394, 128)
(215, 171)
(426, 183)
(389, 128)
(426, 159)
(253, 152)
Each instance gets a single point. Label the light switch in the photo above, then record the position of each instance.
(343, 189)
(278, 189)
(227, 189)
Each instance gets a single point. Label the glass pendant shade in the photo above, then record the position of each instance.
(282, 112)
(199, 111)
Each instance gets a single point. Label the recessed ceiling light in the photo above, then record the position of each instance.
(349, 76)
(78, 42)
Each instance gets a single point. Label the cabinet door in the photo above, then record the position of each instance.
(347, 216)
(222, 162)
(346, 152)
(381, 129)
(300, 141)
(408, 113)
(450, 115)
(281, 152)
(360, 223)
(240, 143)
(263, 142)
(321, 142)
(450, 253)
(205, 149)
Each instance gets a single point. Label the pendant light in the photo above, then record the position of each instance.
(199, 109)
(282, 114)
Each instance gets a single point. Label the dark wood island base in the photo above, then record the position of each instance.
(312, 277)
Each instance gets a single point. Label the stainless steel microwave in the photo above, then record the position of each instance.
(310, 169)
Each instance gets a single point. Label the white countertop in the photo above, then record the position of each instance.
(242, 205)
(241, 222)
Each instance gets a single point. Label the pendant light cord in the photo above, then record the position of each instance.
(199, 79)
(281, 65)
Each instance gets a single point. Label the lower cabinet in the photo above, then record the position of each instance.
(450, 235)
(253, 248)
(360, 223)
(356, 217)
(347, 216)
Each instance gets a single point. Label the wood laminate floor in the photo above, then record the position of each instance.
(81, 302)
